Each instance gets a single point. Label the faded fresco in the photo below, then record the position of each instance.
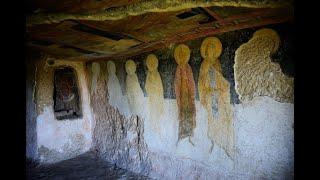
(116, 98)
(185, 92)
(256, 74)
(134, 91)
(213, 86)
(154, 90)
(163, 92)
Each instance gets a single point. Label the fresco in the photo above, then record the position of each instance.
(255, 73)
(116, 98)
(185, 92)
(154, 90)
(147, 97)
(134, 92)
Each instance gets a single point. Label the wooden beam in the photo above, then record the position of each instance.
(213, 14)
(199, 33)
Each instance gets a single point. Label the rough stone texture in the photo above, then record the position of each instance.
(31, 124)
(59, 140)
(257, 75)
(116, 138)
(263, 127)
(86, 166)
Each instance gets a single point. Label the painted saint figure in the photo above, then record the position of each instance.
(116, 99)
(134, 91)
(154, 90)
(211, 85)
(185, 92)
(254, 72)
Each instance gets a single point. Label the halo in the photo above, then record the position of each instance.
(152, 61)
(181, 53)
(272, 34)
(111, 66)
(217, 47)
(130, 66)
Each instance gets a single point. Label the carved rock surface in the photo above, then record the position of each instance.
(116, 138)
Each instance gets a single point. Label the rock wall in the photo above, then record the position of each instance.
(116, 138)
(60, 139)
(122, 130)
(262, 126)
(31, 124)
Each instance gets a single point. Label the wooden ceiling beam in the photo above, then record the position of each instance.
(202, 31)
(213, 14)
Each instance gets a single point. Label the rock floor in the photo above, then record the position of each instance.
(86, 166)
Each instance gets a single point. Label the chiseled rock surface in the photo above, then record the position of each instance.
(116, 138)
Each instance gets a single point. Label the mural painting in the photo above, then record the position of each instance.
(154, 90)
(134, 92)
(116, 98)
(255, 73)
(185, 92)
(214, 87)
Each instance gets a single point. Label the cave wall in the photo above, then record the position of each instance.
(138, 141)
(263, 126)
(60, 139)
(31, 124)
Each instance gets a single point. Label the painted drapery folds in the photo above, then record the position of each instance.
(116, 98)
(154, 90)
(255, 73)
(214, 87)
(134, 91)
(185, 92)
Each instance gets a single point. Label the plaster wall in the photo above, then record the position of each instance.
(263, 126)
(263, 131)
(61, 139)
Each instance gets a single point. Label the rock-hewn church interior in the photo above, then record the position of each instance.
(159, 89)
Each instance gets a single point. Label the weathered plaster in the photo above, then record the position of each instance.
(68, 138)
(134, 91)
(255, 73)
(185, 91)
(116, 98)
(263, 133)
(262, 139)
(213, 86)
(154, 90)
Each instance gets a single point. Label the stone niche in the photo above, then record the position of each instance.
(66, 94)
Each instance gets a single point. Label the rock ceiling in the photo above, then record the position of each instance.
(112, 29)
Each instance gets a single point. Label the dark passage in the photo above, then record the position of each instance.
(86, 166)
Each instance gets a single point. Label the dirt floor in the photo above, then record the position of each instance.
(86, 166)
